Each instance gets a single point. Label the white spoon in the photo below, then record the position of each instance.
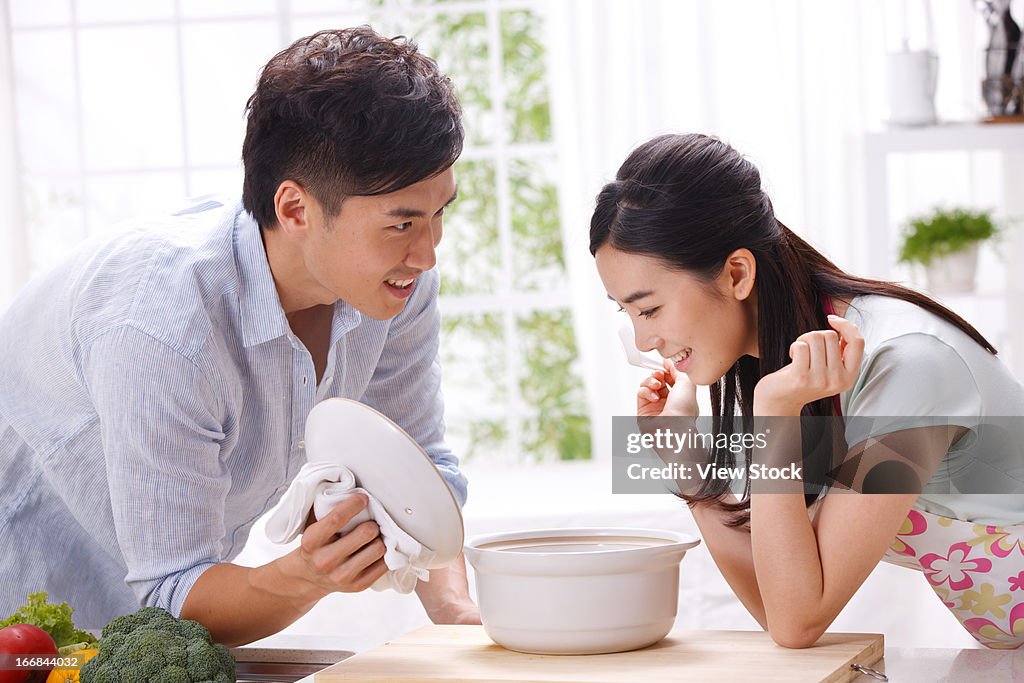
(634, 355)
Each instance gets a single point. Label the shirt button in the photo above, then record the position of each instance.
(327, 380)
(302, 444)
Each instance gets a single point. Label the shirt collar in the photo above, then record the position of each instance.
(346, 318)
(262, 316)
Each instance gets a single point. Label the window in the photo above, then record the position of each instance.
(125, 107)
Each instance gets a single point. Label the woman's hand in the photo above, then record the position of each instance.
(667, 393)
(823, 363)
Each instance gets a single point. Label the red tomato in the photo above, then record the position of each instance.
(28, 640)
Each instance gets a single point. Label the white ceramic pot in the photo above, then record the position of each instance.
(954, 273)
(578, 591)
(912, 76)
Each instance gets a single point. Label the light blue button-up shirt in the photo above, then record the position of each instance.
(152, 406)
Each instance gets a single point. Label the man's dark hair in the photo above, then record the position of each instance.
(347, 112)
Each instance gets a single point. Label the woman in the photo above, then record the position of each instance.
(687, 243)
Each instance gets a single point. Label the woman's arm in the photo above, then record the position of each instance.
(806, 576)
(792, 575)
(731, 550)
(807, 572)
(795, 574)
(671, 394)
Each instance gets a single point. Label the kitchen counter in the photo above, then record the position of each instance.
(923, 664)
(285, 658)
(899, 664)
(914, 665)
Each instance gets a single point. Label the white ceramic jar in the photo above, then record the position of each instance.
(578, 591)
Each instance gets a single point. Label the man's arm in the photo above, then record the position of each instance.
(446, 596)
(406, 384)
(161, 430)
(406, 387)
(243, 604)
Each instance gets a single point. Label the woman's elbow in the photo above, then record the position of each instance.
(796, 637)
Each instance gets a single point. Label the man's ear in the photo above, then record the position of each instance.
(292, 205)
(740, 273)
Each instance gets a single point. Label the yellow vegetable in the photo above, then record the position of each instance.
(71, 675)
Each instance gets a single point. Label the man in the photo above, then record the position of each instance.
(154, 389)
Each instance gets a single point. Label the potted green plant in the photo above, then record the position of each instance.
(945, 242)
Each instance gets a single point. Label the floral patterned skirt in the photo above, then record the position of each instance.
(977, 570)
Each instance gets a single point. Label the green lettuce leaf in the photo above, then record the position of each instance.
(54, 619)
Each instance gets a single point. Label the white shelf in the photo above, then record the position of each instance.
(998, 308)
(946, 137)
(1007, 138)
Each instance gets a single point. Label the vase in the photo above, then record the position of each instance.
(911, 77)
(953, 273)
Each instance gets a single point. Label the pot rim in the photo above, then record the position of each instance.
(677, 540)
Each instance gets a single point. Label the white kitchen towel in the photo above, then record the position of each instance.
(323, 485)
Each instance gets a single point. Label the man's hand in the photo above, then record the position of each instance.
(242, 604)
(347, 563)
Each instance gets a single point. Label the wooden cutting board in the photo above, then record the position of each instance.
(465, 653)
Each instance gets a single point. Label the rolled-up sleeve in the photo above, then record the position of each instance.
(161, 435)
(406, 385)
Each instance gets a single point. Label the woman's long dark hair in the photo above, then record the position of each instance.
(691, 200)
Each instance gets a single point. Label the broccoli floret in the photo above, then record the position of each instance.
(227, 662)
(105, 675)
(152, 645)
(173, 674)
(203, 662)
(150, 617)
(176, 654)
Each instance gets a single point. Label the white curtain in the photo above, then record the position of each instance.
(793, 84)
(13, 251)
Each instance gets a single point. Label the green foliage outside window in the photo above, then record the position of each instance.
(459, 44)
(511, 382)
(558, 429)
(469, 256)
(526, 99)
(538, 258)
